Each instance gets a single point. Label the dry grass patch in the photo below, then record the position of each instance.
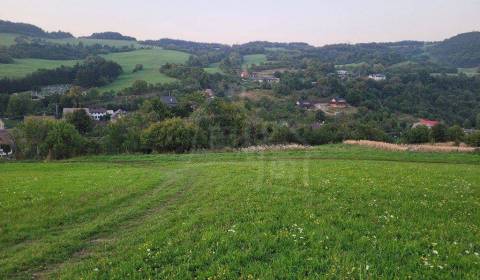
(438, 147)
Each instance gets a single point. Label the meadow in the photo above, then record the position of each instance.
(25, 66)
(7, 39)
(256, 59)
(331, 212)
(151, 59)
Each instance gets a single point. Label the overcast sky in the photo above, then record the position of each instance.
(317, 22)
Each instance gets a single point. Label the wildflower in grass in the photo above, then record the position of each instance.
(435, 252)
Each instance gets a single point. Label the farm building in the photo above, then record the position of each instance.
(170, 101)
(304, 104)
(338, 103)
(377, 77)
(209, 93)
(99, 114)
(7, 144)
(427, 123)
(343, 74)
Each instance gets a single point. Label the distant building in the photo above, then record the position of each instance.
(209, 93)
(100, 114)
(2, 124)
(170, 101)
(338, 103)
(97, 114)
(427, 123)
(7, 144)
(245, 74)
(118, 115)
(377, 77)
(305, 104)
(267, 79)
(343, 74)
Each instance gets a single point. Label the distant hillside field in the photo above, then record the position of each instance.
(23, 67)
(7, 39)
(151, 59)
(333, 212)
(89, 42)
(256, 59)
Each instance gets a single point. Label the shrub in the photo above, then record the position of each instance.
(419, 134)
(173, 135)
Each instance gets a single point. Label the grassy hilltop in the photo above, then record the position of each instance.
(332, 212)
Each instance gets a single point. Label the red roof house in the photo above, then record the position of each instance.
(427, 123)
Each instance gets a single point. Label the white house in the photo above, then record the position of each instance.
(2, 124)
(377, 77)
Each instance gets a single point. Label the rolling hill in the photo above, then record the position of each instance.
(461, 51)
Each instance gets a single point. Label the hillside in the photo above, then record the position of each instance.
(151, 59)
(462, 51)
(110, 36)
(333, 212)
(30, 30)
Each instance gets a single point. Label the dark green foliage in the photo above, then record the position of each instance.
(81, 121)
(155, 110)
(110, 36)
(20, 105)
(173, 135)
(96, 71)
(460, 51)
(5, 58)
(418, 135)
(40, 139)
(124, 135)
(473, 139)
(93, 72)
(63, 140)
(456, 134)
(439, 133)
(30, 30)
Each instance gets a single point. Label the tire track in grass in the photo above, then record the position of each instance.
(150, 203)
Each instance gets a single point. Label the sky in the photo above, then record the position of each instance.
(317, 22)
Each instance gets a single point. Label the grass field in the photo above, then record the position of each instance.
(257, 59)
(151, 59)
(333, 212)
(89, 42)
(22, 67)
(7, 39)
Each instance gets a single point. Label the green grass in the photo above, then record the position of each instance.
(152, 60)
(334, 212)
(256, 59)
(7, 39)
(22, 67)
(89, 42)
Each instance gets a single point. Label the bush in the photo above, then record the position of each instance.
(173, 135)
(474, 139)
(456, 134)
(63, 141)
(417, 135)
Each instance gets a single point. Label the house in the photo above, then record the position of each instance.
(170, 101)
(7, 144)
(118, 114)
(304, 104)
(2, 124)
(100, 114)
(245, 74)
(377, 77)
(209, 93)
(427, 123)
(343, 74)
(268, 80)
(338, 103)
